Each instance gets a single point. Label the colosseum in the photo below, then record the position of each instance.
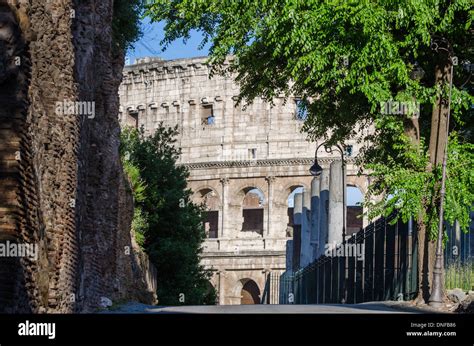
(246, 162)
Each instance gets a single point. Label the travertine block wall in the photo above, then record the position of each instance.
(259, 146)
(177, 93)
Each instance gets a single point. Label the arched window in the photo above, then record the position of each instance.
(253, 211)
(209, 199)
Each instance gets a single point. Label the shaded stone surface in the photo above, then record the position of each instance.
(61, 181)
(336, 208)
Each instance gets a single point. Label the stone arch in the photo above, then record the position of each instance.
(249, 292)
(240, 189)
(358, 181)
(206, 186)
(290, 187)
(253, 189)
(354, 194)
(201, 193)
(282, 196)
(253, 203)
(209, 198)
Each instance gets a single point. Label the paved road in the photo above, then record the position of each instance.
(365, 308)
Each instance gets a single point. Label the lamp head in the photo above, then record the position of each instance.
(316, 169)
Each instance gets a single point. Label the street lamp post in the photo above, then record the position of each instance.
(436, 297)
(316, 171)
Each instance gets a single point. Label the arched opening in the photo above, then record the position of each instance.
(209, 199)
(290, 202)
(250, 293)
(253, 211)
(354, 209)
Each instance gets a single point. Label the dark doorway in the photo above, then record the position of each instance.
(211, 223)
(250, 293)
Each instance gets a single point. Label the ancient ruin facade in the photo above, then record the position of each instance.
(246, 162)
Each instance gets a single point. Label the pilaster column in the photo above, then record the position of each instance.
(224, 207)
(270, 180)
(221, 287)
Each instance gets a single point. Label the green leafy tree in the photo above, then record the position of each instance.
(126, 28)
(170, 226)
(345, 59)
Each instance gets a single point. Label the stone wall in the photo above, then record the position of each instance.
(61, 181)
(180, 92)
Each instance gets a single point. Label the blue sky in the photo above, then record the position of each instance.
(149, 44)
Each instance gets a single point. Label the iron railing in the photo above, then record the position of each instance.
(384, 268)
(286, 288)
(459, 258)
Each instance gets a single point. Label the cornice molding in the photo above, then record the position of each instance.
(260, 163)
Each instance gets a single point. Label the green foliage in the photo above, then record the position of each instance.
(404, 185)
(133, 173)
(126, 22)
(140, 225)
(460, 182)
(344, 59)
(171, 225)
(139, 221)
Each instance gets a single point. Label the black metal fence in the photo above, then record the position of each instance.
(287, 288)
(459, 257)
(376, 263)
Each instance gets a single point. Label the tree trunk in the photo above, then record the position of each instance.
(439, 116)
(412, 130)
(438, 141)
(426, 259)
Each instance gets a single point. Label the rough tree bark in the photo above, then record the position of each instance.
(437, 145)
